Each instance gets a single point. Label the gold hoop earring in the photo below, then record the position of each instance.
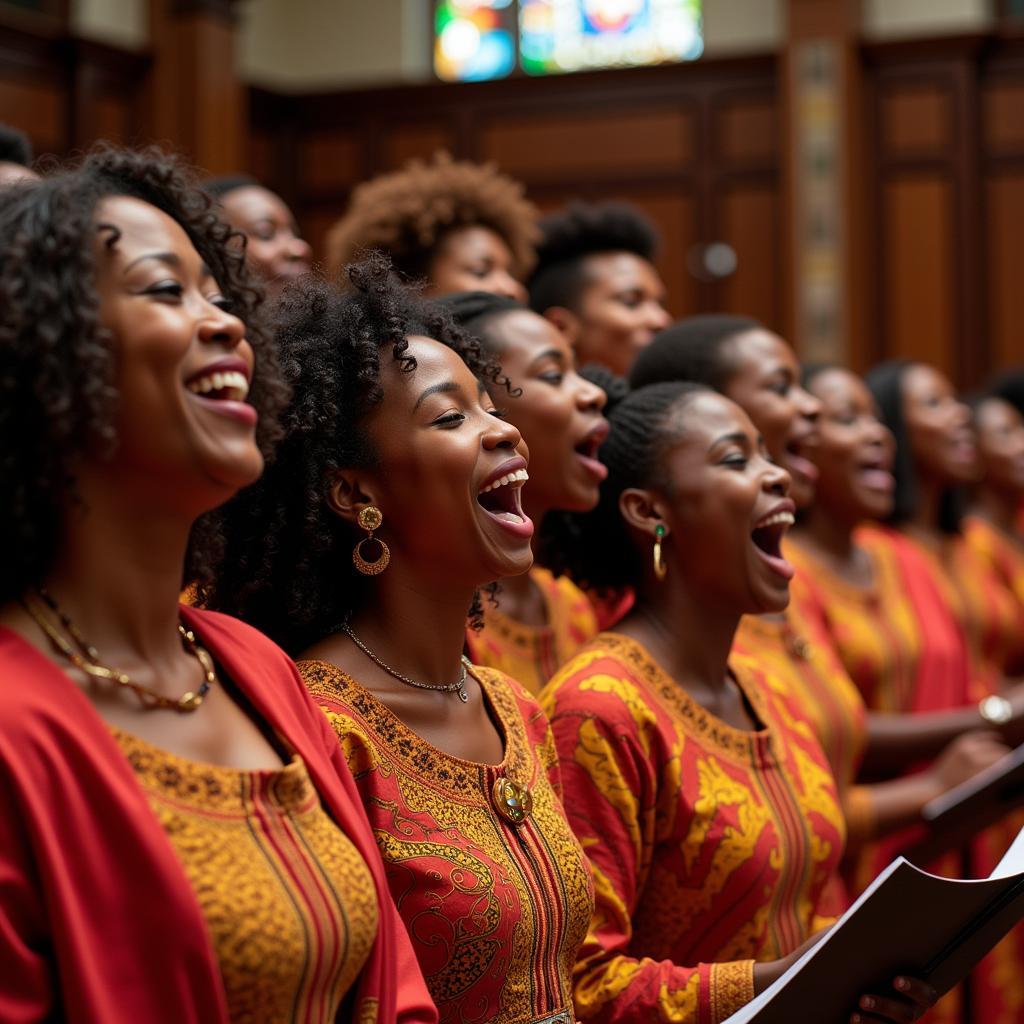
(370, 519)
(660, 569)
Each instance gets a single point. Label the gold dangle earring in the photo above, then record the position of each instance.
(370, 519)
(660, 569)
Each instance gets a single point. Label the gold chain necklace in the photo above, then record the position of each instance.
(87, 658)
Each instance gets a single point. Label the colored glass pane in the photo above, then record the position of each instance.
(474, 40)
(557, 36)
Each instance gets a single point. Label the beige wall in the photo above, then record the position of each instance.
(122, 23)
(890, 19)
(298, 45)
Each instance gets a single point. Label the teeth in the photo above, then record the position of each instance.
(520, 476)
(233, 382)
(779, 519)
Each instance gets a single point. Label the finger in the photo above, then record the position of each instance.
(917, 990)
(878, 1010)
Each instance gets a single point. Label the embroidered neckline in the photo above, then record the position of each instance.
(418, 755)
(742, 744)
(214, 787)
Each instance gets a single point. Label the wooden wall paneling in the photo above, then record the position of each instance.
(973, 355)
(330, 162)
(919, 300)
(1003, 117)
(916, 119)
(749, 222)
(37, 107)
(108, 94)
(1004, 196)
(35, 87)
(925, 167)
(596, 144)
(415, 140)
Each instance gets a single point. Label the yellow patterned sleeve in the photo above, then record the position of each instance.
(614, 766)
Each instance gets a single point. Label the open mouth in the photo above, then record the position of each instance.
(797, 460)
(588, 449)
(876, 474)
(503, 498)
(229, 386)
(767, 538)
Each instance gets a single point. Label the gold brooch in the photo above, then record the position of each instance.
(513, 801)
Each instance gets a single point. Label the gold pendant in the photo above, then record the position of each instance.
(189, 701)
(513, 801)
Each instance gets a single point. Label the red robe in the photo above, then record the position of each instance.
(98, 921)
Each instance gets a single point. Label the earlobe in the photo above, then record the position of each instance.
(348, 495)
(643, 510)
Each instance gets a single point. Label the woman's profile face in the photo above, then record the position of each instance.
(766, 383)
(999, 429)
(448, 472)
(557, 411)
(938, 428)
(727, 509)
(620, 310)
(183, 366)
(855, 451)
(274, 247)
(474, 258)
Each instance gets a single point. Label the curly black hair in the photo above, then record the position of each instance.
(58, 397)
(14, 146)
(569, 236)
(694, 349)
(595, 548)
(287, 566)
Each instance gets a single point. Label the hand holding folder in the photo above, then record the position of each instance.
(906, 922)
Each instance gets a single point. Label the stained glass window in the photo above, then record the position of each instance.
(474, 39)
(480, 39)
(574, 35)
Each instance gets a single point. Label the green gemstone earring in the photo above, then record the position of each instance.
(660, 569)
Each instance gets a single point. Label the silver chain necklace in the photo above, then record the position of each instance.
(458, 687)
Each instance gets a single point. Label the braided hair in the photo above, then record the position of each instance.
(581, 230)
(595, 548)
(287, 566)
(480, 312)
(694, 349)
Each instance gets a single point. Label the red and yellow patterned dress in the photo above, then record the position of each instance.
(874, 630)
(989, 622)
(1005, 558)
(289, 903)
(799, 662)
(711, 847)
(496, 911)
(532, 654)
(798, 659)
